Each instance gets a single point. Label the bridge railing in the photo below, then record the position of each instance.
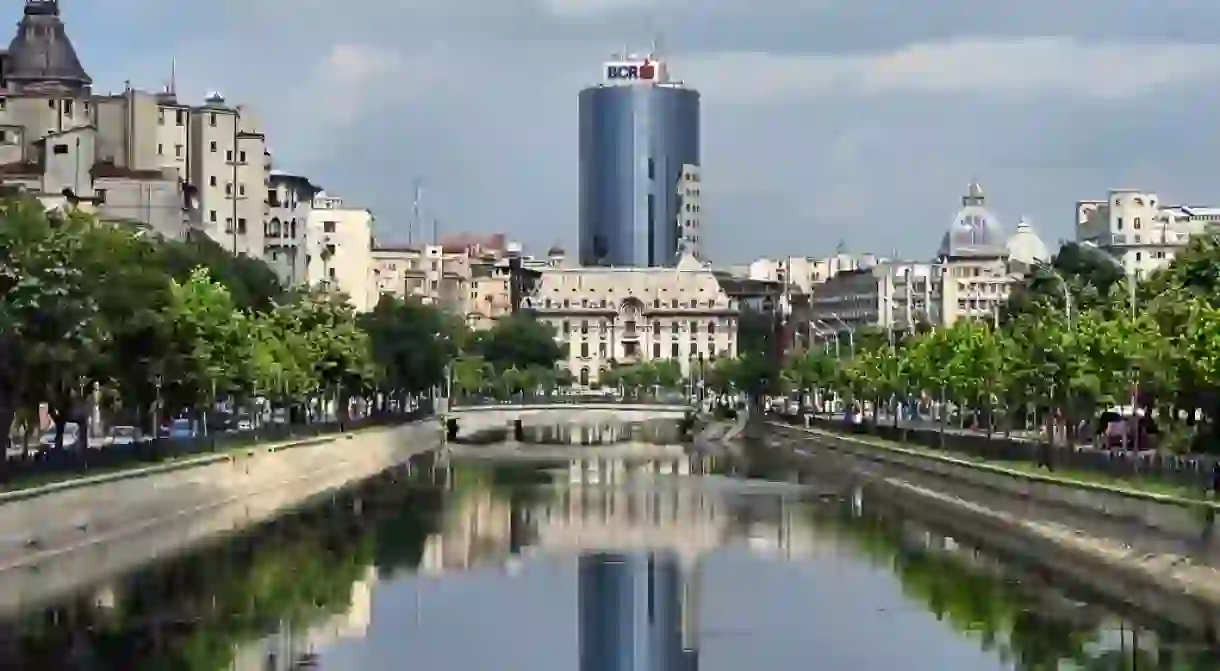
(568, 399)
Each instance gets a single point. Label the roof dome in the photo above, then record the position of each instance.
(975, 230)
(41, 55)
(1026, 247)
(555, 250)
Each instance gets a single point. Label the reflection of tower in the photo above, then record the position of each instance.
(631, 612)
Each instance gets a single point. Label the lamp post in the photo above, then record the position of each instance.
(851, 338)
(1131, 278)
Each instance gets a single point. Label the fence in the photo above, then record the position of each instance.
(53, 463)
(1189, 471)
(568, 399)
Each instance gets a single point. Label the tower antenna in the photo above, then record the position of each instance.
(416, 222)
(173, 76)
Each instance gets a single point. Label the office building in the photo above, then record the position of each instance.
(639, 135)
(631, 612)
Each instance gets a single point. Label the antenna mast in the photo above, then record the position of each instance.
(416, 222)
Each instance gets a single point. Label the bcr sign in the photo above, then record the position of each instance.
(643, 71)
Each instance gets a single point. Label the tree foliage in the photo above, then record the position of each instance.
(1057, 366)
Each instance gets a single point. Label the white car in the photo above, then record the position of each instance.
(71, 437)
(124, 435)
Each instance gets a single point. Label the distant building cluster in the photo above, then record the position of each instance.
(165, 165)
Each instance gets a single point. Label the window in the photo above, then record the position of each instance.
(161, 117)
(584, 377)
(228, 224)
(229, 155)
(178, 150)
(241, 189)
(332, 273)
(68, 107)
(329, 227)
(241, 225)
(656, 350)
(601, 349)
(51, 103)
(566, 329)
(243, 157)
(101, 195)
(673, 351)
(711, 328)
(61, 149)
(212, 216)
(228, 188)
(584, 350)
(652, 169)
(212, 180)
(212, 119)
(160, 150)
(180, 117)
(213, 146)
(584, 327)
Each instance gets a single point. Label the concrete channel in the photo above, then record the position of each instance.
(1143, 554)
(57, 541)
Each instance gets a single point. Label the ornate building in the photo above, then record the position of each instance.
(607, 316)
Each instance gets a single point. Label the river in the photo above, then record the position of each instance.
(639, 556)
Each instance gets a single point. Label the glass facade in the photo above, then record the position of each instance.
(630, 609)
(634, 141)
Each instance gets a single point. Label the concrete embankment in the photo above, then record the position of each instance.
(1147, 553)
(64, 538)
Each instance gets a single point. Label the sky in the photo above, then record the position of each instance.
(824, 122)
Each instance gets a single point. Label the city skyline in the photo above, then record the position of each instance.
(790, 147)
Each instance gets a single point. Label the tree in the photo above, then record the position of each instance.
(208, 343)
(519, 341)
(411, 343)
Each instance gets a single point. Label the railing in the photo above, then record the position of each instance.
(49, 463)
(568, 399)
(1196, 472)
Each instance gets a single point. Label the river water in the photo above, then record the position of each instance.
(638, 556)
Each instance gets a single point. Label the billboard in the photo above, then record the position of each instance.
(627, 72)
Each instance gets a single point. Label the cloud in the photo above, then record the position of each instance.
(821, 120)
(1029, 66)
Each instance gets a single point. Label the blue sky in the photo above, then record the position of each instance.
(861, 121)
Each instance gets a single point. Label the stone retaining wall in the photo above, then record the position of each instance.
(1189, 520)
(36, 529)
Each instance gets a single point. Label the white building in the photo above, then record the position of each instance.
(1138, 230)
(805, 272)
(290, 199)
(690, 208)
(625, 315)
(975, 267)
(339, 250)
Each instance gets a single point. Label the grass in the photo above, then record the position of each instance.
(1137, 484)
(34, 480)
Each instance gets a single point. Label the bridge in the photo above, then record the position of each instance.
(468, 417)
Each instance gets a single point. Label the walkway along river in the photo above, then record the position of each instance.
(653, 557)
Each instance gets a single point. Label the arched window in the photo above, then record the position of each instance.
(584, 376)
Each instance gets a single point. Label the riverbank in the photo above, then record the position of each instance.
(78, 535)
(1160, 569)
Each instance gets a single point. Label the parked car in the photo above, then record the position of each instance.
(71, 437)
(124, 435)
(181, 429)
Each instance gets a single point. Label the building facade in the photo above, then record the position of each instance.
(339, 250)
(608, 316)
(290, 200)
(638, 133)
(690, 212)
(1140, 232)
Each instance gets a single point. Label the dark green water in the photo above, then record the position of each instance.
(653, 561)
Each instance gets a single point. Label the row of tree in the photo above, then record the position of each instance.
(1073, 339)
(158, 328)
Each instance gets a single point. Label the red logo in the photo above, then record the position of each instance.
(648, 70)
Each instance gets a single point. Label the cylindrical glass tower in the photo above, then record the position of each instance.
(637, 130)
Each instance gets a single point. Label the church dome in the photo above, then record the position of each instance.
(1026, 247)
(41, 55)
(975, 231)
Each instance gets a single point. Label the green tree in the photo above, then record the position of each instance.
(519, 341)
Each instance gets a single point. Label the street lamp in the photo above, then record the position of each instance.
(1131, 278)
(851, 338)
(834, 334)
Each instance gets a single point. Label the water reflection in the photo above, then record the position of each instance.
(662, 432)
(674, 561)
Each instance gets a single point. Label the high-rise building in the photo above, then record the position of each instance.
(630, 613)
(639, 133)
